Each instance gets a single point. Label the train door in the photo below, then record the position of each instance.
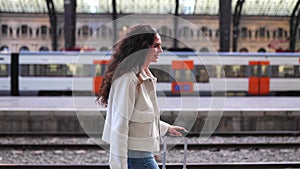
(259, 78)
(100, 66)
(182, 72)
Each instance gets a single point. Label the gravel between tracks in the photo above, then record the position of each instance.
(210, 155)
(173, 156)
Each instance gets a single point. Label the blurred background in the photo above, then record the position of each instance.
(229, 73)
(231, 25)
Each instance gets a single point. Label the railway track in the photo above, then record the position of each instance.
(195, 146)
(211, 147)
(193, 134)
(191, 146)
(169, 166)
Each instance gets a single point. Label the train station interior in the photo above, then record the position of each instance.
(218, 87)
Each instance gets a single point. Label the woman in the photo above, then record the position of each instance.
(132, 126)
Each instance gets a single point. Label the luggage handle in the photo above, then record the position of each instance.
(164, 154)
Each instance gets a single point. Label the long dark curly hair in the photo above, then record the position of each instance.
(129, 54)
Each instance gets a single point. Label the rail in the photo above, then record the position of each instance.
(169, 166)
(192, 134)
(169, 146)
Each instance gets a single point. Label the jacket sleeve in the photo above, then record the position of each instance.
(164, 127)
(123, 99)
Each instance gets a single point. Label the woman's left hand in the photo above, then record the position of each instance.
(176, 130)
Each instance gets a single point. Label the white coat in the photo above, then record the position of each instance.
(132, 118)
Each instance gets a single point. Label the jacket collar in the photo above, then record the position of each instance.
(145, 76)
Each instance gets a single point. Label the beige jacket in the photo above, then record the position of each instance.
(132, 118)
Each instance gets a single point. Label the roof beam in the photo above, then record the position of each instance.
(224, 24)
(114, 19)
(236, 23)
(70, 23)
(294, 22)
(53, 23)
(175, 40)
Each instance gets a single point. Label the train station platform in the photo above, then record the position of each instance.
(70, 114)
(166, 103)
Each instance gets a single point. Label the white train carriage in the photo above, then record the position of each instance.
(238, 73)
(61, 73)
(56, 73)
(5, 60)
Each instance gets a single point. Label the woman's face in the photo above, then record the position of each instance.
(154, 51)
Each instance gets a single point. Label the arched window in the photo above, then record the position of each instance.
(104, 48)
(165, 32)
(186, 32)
(60, 32)
(261, 32)
(85, 31)
(204, 49)
(24, 49)
(245, 32)
(280, 33)
(204, 31)
(243, 50)
(6, 31)
(43, 30)
(262, 50)
(44, 48)
(217, 33)
(104, 32)
(4, 49)
(24, 31)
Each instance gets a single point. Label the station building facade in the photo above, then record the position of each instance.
(31, 31)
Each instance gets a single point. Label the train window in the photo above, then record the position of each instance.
(99, 71)
(254, 70)
(274, 71)
(70, 69)
(3, 70)
(201, 74)
(212, 70)
(229, 71)
(161, 72)
(297, 71)
(215, 71)
(264, 71)
(235, 71)
(189, 76)
(24, 70)
(84, 70)
(31, 70)
(286, 71)
(53, 70)
(177, 75)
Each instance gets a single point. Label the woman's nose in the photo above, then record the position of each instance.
(160, 50)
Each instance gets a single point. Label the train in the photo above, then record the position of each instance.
(177, 73)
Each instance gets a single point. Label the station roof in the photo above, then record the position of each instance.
(205, 7)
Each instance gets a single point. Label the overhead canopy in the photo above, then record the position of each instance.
(207, 7)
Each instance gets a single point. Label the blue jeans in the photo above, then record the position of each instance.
(143, 161)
